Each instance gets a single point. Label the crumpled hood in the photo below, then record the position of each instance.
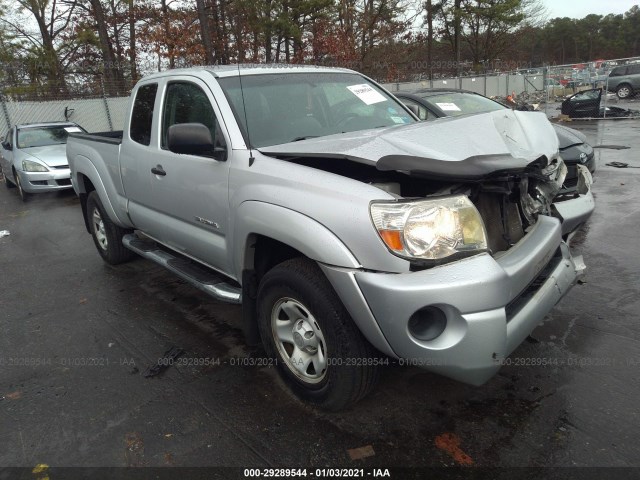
(466, 147)
(568, 136)
(51, 155)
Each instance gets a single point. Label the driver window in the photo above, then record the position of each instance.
(187, 103)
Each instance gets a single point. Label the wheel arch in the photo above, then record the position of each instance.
(266, 235)
(86, 179)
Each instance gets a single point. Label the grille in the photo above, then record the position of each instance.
(64, 181)
(61, 167)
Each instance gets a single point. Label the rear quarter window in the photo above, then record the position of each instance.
(633, 69)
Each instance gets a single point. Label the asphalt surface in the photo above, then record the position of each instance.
(76, 336)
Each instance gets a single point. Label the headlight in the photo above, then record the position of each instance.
(29, 166)
(430, 229)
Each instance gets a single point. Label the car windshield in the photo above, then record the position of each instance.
(42, 136)
(453, 104)
(282, 108)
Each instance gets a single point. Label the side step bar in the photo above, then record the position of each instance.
(200, 277)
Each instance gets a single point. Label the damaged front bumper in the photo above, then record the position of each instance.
(490, 303)
(573, 212)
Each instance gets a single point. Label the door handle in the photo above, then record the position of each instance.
(158, 170)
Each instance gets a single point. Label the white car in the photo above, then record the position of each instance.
(33, 157)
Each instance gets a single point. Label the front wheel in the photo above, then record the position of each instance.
(24, 196)
(320, 352)
(106, 235)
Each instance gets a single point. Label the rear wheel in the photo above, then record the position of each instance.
(624, 91)
(321, 354)
(107, 236)
(8, 183)
(23, 195)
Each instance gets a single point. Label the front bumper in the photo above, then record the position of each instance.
(491, 304)
(575, 211)
(36, 182)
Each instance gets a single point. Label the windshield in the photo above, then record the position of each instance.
(282, 108)
(458, 103)
(42, 136)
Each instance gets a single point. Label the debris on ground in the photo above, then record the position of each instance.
(164, 362)
(450, 443)
(134, 449)
(4, 233)
(361, 452)
(613, 147)
(13, 395)
(620, 165)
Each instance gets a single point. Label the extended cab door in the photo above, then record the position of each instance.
(188, 194)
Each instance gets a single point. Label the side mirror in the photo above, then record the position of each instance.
(414, 109)
(193, 139)
(7, 146)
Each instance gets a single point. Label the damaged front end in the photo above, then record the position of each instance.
(507, 202)
(506, 164)
(510, 204)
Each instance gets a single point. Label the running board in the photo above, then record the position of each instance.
(213, 283)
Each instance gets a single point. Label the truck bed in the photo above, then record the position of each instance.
(114, 138)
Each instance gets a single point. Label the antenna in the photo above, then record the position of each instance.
(246, 122)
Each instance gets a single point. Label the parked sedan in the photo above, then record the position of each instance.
(435, 103)
(33, 157)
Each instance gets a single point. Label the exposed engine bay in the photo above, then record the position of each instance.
(509, 201)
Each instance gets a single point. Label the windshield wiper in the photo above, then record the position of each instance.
(297, 139)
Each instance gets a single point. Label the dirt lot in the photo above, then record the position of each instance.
(76, 336)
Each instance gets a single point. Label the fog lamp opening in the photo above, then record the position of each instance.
(428, 323)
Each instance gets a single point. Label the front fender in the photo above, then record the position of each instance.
(292, 228)
(82, 166)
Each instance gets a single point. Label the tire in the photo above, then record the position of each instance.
(624, 91)
(24, 196)
(296, 296)
(107, 236)
(8, 183)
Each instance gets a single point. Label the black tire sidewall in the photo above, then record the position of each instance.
(24, 196)
(115, 252)
(8, 183)
(340, 334)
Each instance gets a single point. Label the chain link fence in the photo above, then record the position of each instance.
(90, 103)
(575, 91)
(588, 90)
(599, 89)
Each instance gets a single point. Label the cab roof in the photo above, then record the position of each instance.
(221, 71)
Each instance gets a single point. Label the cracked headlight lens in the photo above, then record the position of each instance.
(431, 229)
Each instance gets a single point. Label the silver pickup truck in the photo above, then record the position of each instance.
(353, 235)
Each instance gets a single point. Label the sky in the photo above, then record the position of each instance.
(582, 8)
